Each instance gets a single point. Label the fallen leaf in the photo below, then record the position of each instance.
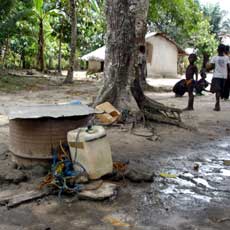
(167, 175)
(115, 222)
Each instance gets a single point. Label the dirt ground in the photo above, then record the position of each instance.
(185, 200)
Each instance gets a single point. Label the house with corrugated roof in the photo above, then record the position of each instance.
(162, 55)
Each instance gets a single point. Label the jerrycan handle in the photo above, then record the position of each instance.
(89, 128)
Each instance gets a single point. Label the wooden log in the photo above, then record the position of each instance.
(25, 197)
(14, 198)
(5, 196)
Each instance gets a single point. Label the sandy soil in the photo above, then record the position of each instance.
(194, 200)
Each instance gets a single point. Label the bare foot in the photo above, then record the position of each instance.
(188, 109)
(216, 109)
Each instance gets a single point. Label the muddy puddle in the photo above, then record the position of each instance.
(200, 176)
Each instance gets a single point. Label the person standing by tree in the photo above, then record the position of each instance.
(220, 64)
(190, 82)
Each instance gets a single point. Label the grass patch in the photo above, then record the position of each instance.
(11, 84)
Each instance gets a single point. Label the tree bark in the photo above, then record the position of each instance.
(205, 60)
(41, 62)
(126, 29)
(59, 55)
(23, 59)
(73, 19)
(5, 53)
(60, 50)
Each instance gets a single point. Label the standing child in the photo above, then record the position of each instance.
(190, 83)
(226, 92)
(220, 64)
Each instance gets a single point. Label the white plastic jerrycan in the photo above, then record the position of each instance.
(90, 147)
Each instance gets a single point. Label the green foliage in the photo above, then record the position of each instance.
(166, 15)
(202, 38)
(38, 8)
(217, 18)
(12, 32)
(226, 26)
(91, 25)
(13, 13)
(5, 8)
(19, 21)
(184, 21)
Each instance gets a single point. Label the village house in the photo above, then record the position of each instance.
(95, 60)
(162, 54)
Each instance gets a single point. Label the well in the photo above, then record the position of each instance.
(34, 134)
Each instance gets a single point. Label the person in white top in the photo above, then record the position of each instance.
(226, 93)
(221, 66)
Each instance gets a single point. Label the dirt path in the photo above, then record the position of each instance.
(192, 200)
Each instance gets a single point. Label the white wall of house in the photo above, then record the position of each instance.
(94, 66)
(163, 59)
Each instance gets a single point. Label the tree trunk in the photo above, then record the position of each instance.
(23, 60)
(50, 65)
(59, 56)
(60, 50)
(205, 60)
(6, 51)
(69, 78)
(126, 29)
(41, 62)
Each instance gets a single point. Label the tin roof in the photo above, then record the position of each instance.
(53, 111)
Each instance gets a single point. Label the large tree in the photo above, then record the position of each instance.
(39, 12)
(126, 29)
(42, 12)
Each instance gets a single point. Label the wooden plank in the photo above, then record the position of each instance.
(5, 196)
(17, 199)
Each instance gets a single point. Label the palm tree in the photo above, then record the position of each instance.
(40, 15)
(73, 43)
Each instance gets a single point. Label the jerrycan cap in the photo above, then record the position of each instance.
(93, 132)
(90, 129)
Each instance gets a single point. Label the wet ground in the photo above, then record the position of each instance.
(196, 187)
(191, 189)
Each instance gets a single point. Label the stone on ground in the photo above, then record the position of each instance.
(3, 148)
(105, 191)
(12, 176)
(139, 173)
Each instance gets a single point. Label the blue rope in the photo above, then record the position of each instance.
(63, 171)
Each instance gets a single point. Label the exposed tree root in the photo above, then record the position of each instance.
(149, 88)
(162, 114)
(164, 119)
(151, 109)
(155, 111)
